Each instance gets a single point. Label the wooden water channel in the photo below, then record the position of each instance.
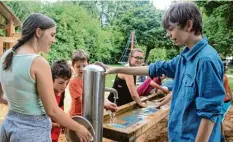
(133, 121)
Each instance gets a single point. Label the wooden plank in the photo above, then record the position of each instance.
(9, 39)
(10, 30)
(16, 35)
(6, 13)
(1, 47)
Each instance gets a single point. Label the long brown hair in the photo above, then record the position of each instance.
(34, 21)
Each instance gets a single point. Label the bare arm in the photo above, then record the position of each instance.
(131, 87)
(140, 71)
(2, 100)
(166, 100)
(155, 85)
(230, 93)
(40, 70)
(204, 131)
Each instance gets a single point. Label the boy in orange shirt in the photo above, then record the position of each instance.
(61, 74)
(80, 60)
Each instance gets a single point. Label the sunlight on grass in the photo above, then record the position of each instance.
(111, 77)
(230, 81)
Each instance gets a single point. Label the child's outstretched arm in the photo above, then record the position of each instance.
(140, 71)
(168, 68)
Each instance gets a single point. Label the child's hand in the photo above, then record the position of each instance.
(109, 70)
(142, 104)
(110, 106)
(102, 65)
(84, 134)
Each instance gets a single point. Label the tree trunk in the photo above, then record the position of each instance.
(147, 54)
(102, 14)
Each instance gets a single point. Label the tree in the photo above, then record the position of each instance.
(218, 24)
(79, 31)
(76, 29)
(23, 8)
(146, 22)
(111, 10)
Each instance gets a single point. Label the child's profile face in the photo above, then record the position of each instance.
(47, 39)
(60, 84)
(79, 67)
(177, 35)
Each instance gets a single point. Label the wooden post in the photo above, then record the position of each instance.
(10, 30)
(1, 47)
(132, 41)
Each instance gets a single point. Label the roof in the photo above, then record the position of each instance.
(6, 13)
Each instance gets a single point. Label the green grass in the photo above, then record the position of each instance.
(230, 71)
(230, 81)
(110, 80)
(111, 77)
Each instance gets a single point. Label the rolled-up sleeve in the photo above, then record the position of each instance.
(167, 68)
(210, 90)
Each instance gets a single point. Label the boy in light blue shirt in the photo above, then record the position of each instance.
(198, 90)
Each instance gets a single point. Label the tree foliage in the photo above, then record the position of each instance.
(76, 29)
(146, 22)
(218, 24)
(102, 28)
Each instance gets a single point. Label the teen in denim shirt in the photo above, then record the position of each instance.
(198, 91)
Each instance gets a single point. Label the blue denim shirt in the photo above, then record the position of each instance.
(198, 91)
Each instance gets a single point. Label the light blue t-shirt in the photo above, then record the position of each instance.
(19, 87)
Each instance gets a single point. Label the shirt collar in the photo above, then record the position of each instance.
(189, 53)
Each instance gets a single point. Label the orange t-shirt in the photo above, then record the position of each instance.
(75, 88)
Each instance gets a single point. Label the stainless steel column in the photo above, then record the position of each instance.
(93, 98)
